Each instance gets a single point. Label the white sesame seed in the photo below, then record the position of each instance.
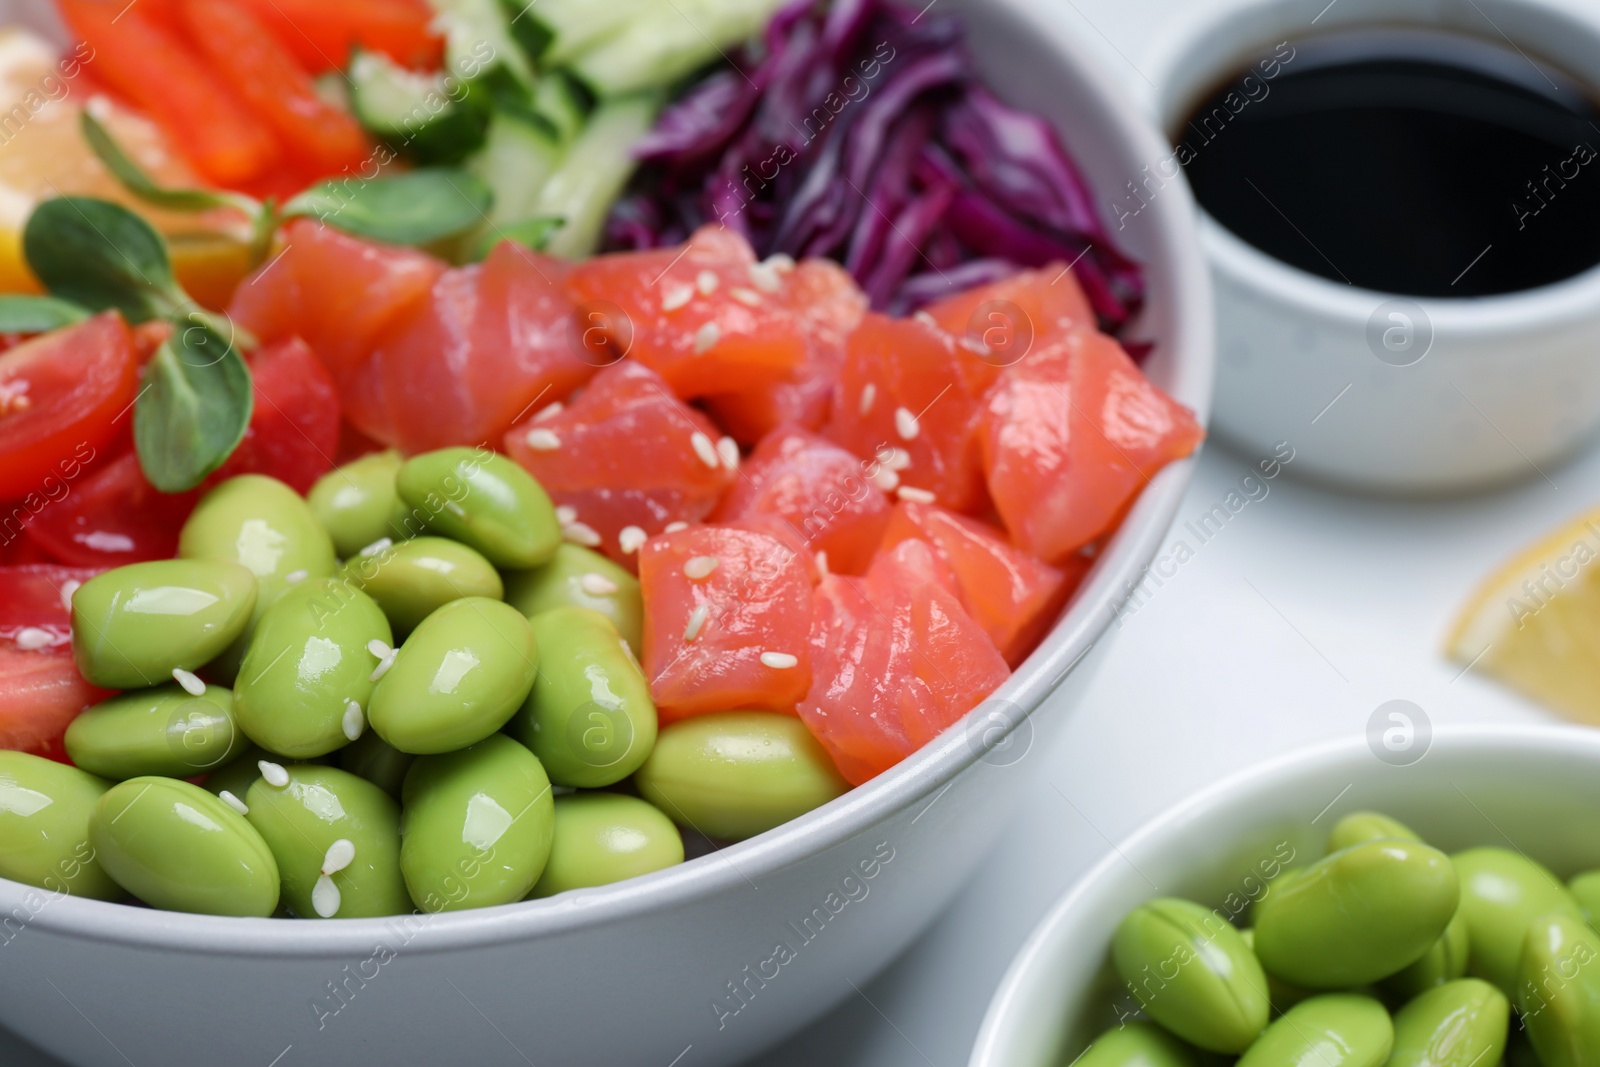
(597, 584)
(676, 297)
(728, 449)
(869, 396)
(273, 773)
(325, 897)
(674, 527)
(382, 668)
(191, 684)
(706, 281)
(898, 459)
(705, 450)
(382, 544)
(697, 619)
(631, 539)
(566, 514)
(915, 495)
(779, 661)
(906, 425)
(233, 802)
(354, 723)
(822, 563)
(700, 567)
(379, 649)
(549, 411)
(926, 319)
(765, 277)
(747, 297)
(885, 479)
(581, 533)
(780, 261)
(68, 587)
(706, 338)
(542, 440)
(33, 638)
(340, 855)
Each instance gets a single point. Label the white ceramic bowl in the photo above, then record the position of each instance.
(1451, 394)
(670, 965)
(1533, 788)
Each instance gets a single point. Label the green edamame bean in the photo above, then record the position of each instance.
(1558, 991)
(1193, 972)
(44, 826)
(413, 579)
(476, 826)
(1282, 995)
(162, 731)
(735, 774)
(358, 503)
(1136, 1045)
(1360, 827)
(1332, 1030)
(373, 758)
(1585, 889)
(175, 846)
(589, 717)
(602, 838)
(1356, 916)
(307, 663)
(458, 678)
(578, 577)
(133, 626)
(1463, 1023)
(484, 500)
(301, 821)
(1445, 961)
(1502, 891)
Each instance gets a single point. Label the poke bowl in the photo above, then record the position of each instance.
(702, 962)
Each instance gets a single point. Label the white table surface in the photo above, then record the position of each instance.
(1292, 625)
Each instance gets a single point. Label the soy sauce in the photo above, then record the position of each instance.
(1407, 161)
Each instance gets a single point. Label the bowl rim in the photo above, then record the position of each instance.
(1190, 367)
(1262, 780)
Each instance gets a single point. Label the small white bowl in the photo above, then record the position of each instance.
(1376, 391)
(1533, 788)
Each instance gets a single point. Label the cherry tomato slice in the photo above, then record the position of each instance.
(112, 517)
(41, 690)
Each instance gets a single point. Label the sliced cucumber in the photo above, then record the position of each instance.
(516, 159)
(563, 29)
(431, 118)
(674, 40)
(478, 45)
(594, 171)
(563, 102)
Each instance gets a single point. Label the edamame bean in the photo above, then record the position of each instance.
(1501, 893)
(162, 731)
(133, 626)
(1445, 961)
(175, 846)
(484, 500)
(1193, 973)
(1463, 1023)
(308, 674)
(578, 577)
(358, 504)
(589, 717)
(1136, 1045)
(476, 826)
(377, 761)
(1360, 827)
(304, 821)
(1332, 1030)
(1585, 889)
(602, 838)
(1558, 992)
(44, 826)
(458, 678)
(1356, 916)
(735, 774)
(413, 579)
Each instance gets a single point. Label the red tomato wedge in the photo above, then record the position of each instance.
(492, 342)
(60, 397)
(1070, 435)
(823, 493)
(625, 453)
(1005, 319)
(264, 72)
(727, 612)
(41, 690)
(1013, 596)
(112, 517)
(293, 434)
(155, 68)
(907, 385)
(321, 33)
(706, 316)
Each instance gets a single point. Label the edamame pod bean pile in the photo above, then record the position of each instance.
(1385, 952)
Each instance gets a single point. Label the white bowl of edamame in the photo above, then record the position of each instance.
(1516, 809)
(703, 963)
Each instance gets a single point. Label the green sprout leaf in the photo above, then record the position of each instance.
(194, 406)
(101, 255)
(37, 314)
(139, 182)
(415, 208)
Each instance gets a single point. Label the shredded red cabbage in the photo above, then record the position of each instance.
(858, 130)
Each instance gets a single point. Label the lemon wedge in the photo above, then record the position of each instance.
(1534, 624)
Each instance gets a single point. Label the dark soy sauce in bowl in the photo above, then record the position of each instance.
(1408, 161)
